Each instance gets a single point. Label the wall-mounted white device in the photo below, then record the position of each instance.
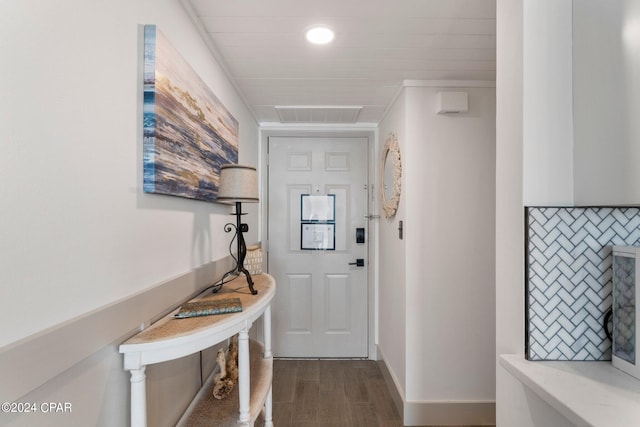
(452, 102)
(625, 320)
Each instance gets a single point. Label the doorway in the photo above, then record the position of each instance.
(318, 235)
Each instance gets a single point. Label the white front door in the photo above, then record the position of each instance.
(317, 206)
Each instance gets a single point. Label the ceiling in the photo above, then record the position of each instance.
(379, 45)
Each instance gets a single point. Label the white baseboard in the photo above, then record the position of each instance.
(437, 413)
(392, 385)
(454, 413)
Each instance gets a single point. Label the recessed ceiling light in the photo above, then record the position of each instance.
(319, 34)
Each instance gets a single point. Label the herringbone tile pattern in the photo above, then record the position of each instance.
(569, 278)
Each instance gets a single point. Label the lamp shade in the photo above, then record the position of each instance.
(238, 183)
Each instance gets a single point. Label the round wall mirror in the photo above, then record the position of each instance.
(390, 176)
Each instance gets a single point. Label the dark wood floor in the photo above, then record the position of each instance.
(331, 393)
(310, 393)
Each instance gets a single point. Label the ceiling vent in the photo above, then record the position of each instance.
(318, 114)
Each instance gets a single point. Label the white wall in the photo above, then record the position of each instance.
(77, 233)
(548, 104)
(605, 151)
(392, 260)
(76, 223)
(444, 267)
(510, 403)
(526, 169)
(450, 204)
(606, 79)
(581, 97)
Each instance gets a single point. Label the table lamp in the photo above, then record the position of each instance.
(238, 184)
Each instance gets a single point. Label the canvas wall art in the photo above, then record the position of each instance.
(188, 133)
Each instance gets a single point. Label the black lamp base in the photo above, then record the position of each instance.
(242, 251)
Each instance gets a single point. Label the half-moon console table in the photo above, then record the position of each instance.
(172, 338)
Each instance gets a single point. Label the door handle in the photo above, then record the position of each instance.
(359, 262)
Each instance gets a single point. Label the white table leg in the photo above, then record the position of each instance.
(266, 324)
(266, 320)
(138, 398)
(268, 415)
(244, 376)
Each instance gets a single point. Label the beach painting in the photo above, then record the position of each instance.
(188, 133)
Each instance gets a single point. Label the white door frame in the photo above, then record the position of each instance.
(372, 245)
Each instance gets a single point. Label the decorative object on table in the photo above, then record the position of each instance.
(238, 183)
(187, 132)
(232, 359)
(253, 262)
(222, 385)
(209, 307)
(390, 176)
